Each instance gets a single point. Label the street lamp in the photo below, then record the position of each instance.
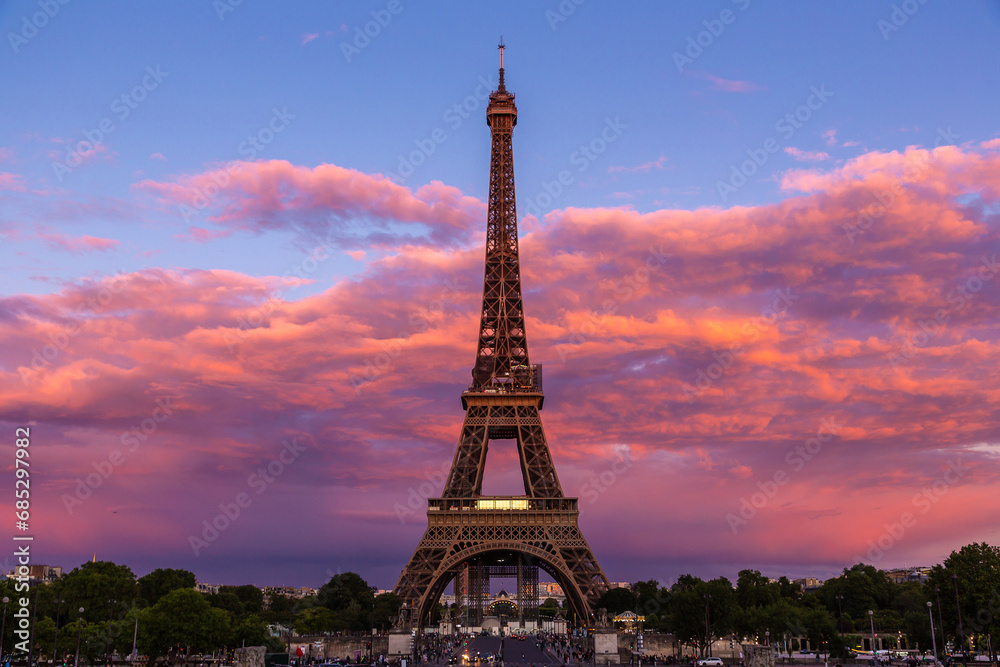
(871, 618)
(371, 646)
(31, 637)
(840, 613)
(3, 626)
(79, 624)
(708, 627)
(933, 639)
(55, 644)
(111, 613)
(937, 593)
(958, 607)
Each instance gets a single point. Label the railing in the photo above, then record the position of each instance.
(502, 504)
(524, 381)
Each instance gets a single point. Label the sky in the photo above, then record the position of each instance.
(241, 265)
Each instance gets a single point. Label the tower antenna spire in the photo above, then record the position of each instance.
(501, 47)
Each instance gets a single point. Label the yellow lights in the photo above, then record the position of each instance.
(502, 504)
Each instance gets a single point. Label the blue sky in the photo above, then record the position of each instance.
(367, 108)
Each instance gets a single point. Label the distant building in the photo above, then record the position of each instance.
(206, 588)
(44, 573)
(550, 590)
(903, 575)
(809, 583)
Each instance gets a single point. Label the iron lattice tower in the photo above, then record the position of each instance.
(471, 536)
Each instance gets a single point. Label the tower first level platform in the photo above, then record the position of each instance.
(487, 530)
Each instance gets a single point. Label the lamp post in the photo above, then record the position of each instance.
(840, 613)
(708, 627)
(958, 608)
(79, 624)
(31, 638)
(3, 626)
(111, 613)
(371, 646)
(933, 640)
(871, 618)
(55, 644)
(937, 593)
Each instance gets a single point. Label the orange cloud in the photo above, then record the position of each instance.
(721, 346)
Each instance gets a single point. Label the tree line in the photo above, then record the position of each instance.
(165, 616)
(835, 617)
(169, 618)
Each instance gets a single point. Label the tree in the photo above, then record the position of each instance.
(251, 598)
(315, 621)
(227, 600)
(755, 590)
(92, 585)
(617, 600)
(975, 569)
(182, 618)
(701, 610)
(386, 608)
(350, 599)
(161, 581)
(651, 600)
(863, 587)
(251, 631)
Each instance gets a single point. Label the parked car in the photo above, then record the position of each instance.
(710, 662)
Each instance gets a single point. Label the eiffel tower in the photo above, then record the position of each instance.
(471, 537)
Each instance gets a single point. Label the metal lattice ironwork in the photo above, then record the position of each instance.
(470, 535)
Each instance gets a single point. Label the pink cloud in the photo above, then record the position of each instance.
(658, 163)
(157, 156)
(830, 137)
(202, 235)
(78, 245)
(308, 37)
(12, 182)
(90, 153)
(6, 154)
(257, 196)
(801, 155)
(713, 344)
(727, 85)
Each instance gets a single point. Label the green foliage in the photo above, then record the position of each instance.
(975, 571)
(251, 631)
(755, 590)
(350, 598)
(702, 610)
(161, 581)
(227, 601)
(315, 621)
(617, 600)
(386, 608)
(91, 586)
(863, 587)
(250, 597)
(182, 618)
